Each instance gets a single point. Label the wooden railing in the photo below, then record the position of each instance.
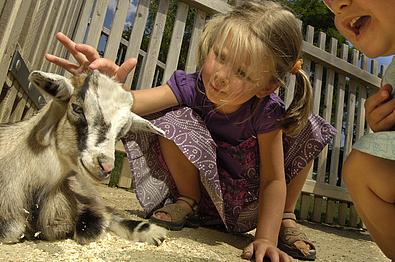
(164, 35)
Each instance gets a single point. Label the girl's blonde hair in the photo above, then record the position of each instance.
(268, 33)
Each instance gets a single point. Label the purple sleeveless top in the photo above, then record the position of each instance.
(253, 117)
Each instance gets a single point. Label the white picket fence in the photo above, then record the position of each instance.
(340, 82)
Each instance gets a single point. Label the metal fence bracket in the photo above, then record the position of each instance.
(20, 72)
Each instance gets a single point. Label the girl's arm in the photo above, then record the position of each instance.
(153, 100)
(272, 189)
(272, 193)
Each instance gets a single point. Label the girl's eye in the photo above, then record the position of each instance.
(219, 57)
(77, 109)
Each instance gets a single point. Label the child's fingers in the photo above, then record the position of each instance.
(71, 46)
(125, 69)
(71, 67)
(248, 252)
(89, 52)
(105, 66)
(385, 124)
(387, 88)
(273, 255)
(377, 99)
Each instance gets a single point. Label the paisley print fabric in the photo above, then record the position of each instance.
(226, 198)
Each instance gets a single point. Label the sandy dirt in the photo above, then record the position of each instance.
(202, 244)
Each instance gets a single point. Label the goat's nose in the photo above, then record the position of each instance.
(106, 167)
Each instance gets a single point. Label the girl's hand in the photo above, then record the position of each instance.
(380, 110)
(263, 248)
(89, 59)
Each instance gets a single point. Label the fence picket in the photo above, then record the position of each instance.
(96, 24)
(316, 108)
(115, 36)
(307, 69)
(176, 41)
(149, 66)
(336, 150)
(327, 113)
(350, 111)
(361, 98)
(10, 29)
(136, 36)
(198, 25)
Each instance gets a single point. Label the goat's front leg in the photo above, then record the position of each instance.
(57, 215)
(12, 229)
(91, 223)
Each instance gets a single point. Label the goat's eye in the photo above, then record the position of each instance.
(77, 109)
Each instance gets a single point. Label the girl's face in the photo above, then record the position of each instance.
(367, 24)
(228, 86)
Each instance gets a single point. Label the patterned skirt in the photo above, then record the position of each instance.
(226, 200)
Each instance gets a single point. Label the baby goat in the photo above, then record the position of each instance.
(48, 163)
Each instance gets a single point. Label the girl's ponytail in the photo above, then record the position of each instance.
(299, 110)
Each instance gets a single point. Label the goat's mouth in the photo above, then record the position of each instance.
(99, 175)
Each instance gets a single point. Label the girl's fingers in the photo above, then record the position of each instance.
(273, 254)
(71, 67)
(248, 252)
(105, 66)
(124, 70)
(89, 52)
(71, 46)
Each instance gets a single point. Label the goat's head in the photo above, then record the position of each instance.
(95, 113)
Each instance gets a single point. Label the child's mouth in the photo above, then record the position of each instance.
(358, 23)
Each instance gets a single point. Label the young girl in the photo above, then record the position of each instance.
(370, 167)
(230, 146)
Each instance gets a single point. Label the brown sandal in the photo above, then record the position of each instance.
(179, 216)
(288, 237)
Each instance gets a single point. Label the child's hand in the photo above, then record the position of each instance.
(380, 110)
(263, 248)
(88, 58)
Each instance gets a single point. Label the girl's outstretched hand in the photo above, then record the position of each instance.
(89, 59)
(262, 248)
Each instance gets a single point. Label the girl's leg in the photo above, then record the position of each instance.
(184, 174)
(371, 183)
(293, 191)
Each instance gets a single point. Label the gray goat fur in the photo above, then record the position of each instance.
(49, 164)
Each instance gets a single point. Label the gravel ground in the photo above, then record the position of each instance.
(202, 244)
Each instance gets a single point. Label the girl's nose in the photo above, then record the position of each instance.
(221, 79)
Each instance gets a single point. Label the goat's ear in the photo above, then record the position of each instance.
(57, 86)
(45, 129)
(140, 124)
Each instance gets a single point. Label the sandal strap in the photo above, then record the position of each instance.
(191, 202)
(290, 235)
(289, 215)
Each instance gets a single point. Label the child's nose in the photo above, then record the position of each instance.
(221, 79)
(338, 5)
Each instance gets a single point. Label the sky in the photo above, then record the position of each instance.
(385, 60)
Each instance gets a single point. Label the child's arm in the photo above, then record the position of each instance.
(153, 100)
(272, 193)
